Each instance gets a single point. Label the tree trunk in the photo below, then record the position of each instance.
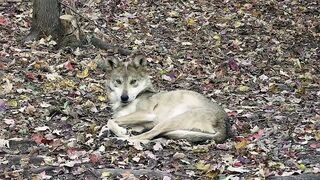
(46, 21)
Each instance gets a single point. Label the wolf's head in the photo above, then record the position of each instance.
(127, 80)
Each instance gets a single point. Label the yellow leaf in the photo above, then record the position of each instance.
(273, 88)
(102, 98)
(243, 88)
(317, 136)
(200, 149)
(241, 145)
(212, 174)
(92, 65)
(216, 37)
(173, 14)
(37, 65)
(67, 83)
(301, 166)
(105, 174)
(237, 24)
(202, 166)
(191, 21)
(92, 129)
(84, 73)
(12, 103)
(306, 76)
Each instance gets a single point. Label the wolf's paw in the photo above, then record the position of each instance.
(134, 141)
(117, 130)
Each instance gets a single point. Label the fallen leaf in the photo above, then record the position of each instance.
(3, 21)
(4, 143)
(12, 103)
(241, 145)
(102, 98)
(190, 21)
(84, 73)
(237, 169)
(186, 44)
(68, 65)
(157, 146)
(38, 138)
(92, 65)
(2, 105)
(233, 65)
(9, 121)
(178, 155)
(30, 109)
(7, 87)
(202, 166)
(105, 174)
(30, 76)
(315, 145)
(42, 128)
(237, 24)
(243, 88)
(95, 157)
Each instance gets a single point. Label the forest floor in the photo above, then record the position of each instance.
(259, 59)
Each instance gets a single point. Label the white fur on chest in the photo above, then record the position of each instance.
(131, 108)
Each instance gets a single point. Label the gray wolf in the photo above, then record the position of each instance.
(178, 114)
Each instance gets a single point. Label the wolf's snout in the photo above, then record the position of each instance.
(124, 98)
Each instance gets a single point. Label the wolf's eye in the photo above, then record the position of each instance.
(133, 81)
(118, 81)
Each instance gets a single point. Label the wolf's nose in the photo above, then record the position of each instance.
(124, 98)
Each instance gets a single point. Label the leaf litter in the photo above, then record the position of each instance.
(259, 59)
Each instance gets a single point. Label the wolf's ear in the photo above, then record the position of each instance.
(139, 60)
(112, 63)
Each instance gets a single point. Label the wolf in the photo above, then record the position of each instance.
(178, 114)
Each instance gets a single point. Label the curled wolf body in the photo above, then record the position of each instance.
(179, 114)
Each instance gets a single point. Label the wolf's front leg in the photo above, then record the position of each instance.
(117, 130)
(136, 118)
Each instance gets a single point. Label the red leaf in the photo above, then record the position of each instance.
(315, 145)
(38, 138)
(95, 157)
(68, 65)
(256, 135)
(3, 21)
(71, 151)
(30, 75)
(240, 138)
(237, 164)
(2, 66)
(232, 113)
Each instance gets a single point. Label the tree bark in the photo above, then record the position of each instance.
(46, 21)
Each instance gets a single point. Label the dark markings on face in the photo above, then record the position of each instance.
(122, 74)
